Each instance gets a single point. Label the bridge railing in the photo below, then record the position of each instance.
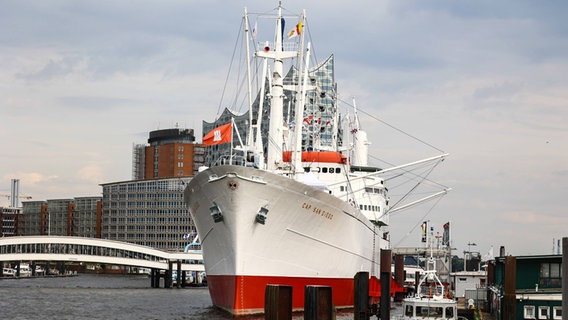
(91, 250)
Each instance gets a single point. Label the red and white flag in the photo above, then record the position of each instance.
(221, 134)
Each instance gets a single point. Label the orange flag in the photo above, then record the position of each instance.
(221, 134)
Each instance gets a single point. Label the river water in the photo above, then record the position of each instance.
(89, 296)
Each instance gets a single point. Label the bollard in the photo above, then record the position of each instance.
(277, 302)
(361, 302)
(318, 303)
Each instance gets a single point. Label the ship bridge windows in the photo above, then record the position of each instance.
(323, 169)
(374, 190)
(370, 207)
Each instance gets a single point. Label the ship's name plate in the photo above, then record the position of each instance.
(317, 211)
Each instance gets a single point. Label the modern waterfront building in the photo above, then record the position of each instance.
(147, 212)
(169, 153)
(10, 221)
(318, 117)
(79, 217)
(86, 217)
(35, 218)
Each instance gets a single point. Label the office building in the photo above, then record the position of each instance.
(169, 153)
(10, 222)
(79, 217)
(147, 212)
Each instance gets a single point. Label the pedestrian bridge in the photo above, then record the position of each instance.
(60, 248)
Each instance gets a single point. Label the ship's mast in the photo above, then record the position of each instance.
(276, 125)
(249, 86)
(300, 105)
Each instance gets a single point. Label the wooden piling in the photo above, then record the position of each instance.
(178, 275)
(277, 302)
(318, 303)
(386, 258)
(361, 302)
(168, 275)
(509, 297)
(399, 275)
(155, 278)
(417, 276)
(564, 278)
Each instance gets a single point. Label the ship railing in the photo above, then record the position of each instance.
(235, 160)
(286, 46)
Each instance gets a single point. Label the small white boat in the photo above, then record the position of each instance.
(39, 271)
(25, 270)
(431, 301)
(8, 272)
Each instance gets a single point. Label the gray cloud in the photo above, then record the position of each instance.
(483, 80)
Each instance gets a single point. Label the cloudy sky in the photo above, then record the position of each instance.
(486, 81)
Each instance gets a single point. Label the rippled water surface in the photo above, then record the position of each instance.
(101, 297)
(105, 297)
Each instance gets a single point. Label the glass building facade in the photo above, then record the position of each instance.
(319, 111)
(147, 212)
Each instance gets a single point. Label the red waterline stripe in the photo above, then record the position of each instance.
(245, 294)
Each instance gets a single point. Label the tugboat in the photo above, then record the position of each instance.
(432, 300)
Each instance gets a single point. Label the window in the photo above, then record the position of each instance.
(408, 311)
(433, 312)
(449, 312)
(529, 312)
(543, 312)
(550, 275)
(557, 312)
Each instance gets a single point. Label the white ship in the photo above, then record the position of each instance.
(289, 214)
